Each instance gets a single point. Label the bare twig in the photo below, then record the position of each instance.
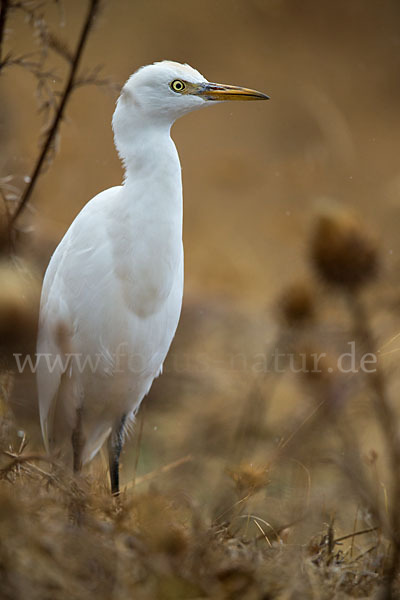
(56, 44)
(354, 534)
(92, 77)
(3, 18)
(18, 460)
(263, 533)
(69, 86)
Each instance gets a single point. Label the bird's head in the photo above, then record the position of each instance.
(164, 91)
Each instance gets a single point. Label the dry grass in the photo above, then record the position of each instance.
(63, 538)
(256, 505)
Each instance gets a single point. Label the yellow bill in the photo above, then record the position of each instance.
(220, 92)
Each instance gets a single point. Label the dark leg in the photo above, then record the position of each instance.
(115, 443)
(77, 441)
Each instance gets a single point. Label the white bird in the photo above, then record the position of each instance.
(112, 292)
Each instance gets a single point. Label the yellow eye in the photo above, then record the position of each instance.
(177, 85)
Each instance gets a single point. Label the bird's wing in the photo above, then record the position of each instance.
(52, 361)
(64, 285)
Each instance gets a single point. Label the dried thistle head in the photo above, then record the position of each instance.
(248, 478)
(343, 251)
(296, 304)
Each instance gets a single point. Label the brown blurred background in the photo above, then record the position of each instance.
(254, 176)
(251, 173)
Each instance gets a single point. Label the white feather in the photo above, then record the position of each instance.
(112, 292)
(113, 289)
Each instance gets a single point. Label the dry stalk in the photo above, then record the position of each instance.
(3, 19)
(377, 382)
(69, 86)
(387, 419)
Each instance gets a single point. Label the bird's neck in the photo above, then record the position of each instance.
(145, 151)
(141, 141)
(153, 172)
(144, 146)
(153, 184)
(149, 217)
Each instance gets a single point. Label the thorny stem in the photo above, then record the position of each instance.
(3, 18)
(69, 86)
(389, 427)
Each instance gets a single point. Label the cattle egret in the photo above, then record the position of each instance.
(112, 292)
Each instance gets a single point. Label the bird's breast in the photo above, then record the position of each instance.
(148, 259)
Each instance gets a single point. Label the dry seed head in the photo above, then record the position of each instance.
(297, 304)
(343, 251)
(248, 478)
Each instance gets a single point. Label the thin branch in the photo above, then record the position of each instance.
(3, 19)
(354, 534)
(386, 417)
(34, 67)
(69, 86)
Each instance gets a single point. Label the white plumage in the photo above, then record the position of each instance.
(112, 292)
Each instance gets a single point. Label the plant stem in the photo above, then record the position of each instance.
(389, 425)
(3, 18)
(69, 86)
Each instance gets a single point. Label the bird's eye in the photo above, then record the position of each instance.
(177, 85)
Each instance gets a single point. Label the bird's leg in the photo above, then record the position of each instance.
(115, 443)
(77, 441)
